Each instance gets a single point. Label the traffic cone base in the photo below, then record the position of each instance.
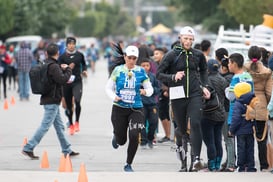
(82, 175)
(68, 164)
(6, 105)
(12, 101)
(62, 164)
(44, 161)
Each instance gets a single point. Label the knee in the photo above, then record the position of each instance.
(178, 133)
(195, 125)
(121, 140)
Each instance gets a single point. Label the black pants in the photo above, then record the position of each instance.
(70, 91)
(3, 79)
(12, 74)
(124, 119)
(188, 110)
(212, 136)
(262, 150)
(151, 117)
(245, 153)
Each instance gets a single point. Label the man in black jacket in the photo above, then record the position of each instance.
(58, 75)
(185, 70)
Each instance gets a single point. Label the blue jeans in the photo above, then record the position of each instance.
(51, 116)
(24, 84)
(212, 136)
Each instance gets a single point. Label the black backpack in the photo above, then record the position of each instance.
(40, 84)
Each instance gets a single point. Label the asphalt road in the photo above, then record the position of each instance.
(102, 162)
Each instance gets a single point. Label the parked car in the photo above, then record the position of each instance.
(32, 40)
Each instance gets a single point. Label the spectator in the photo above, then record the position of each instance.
(51, 102)
(205, 48)
(24, 58)
(262, 88)
(242, 128)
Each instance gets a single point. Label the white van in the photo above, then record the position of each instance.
(33, 40)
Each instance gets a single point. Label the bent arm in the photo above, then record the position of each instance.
(148, 88)
(110, 89)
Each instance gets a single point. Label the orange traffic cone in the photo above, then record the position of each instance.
(44, 161)
(68, 164)
(12, 101)
(6, 105)
(82, 175)
(25, 141)
(62, 164)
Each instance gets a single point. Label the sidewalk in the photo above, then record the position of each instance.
(28, 176)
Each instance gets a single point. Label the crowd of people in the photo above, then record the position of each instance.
(150, 85)
(186, 77)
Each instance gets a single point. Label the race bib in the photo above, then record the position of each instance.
(177, 92)
(128, 95)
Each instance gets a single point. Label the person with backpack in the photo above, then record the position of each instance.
(73, 92)
(213, 121)
(58, 76)
(185, 70)
(243, 128)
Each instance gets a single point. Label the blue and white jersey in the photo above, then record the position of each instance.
(237, 78)
(128, 84)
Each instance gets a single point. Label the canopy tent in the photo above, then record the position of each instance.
(160, 28)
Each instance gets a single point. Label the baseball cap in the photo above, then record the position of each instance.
(187, 31)
(213, 66)
(241, 89)
(131, 51)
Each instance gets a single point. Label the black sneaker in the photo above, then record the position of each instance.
(164, 139)
(74, 154)
(114, 142)
(30, 155)
(128, 168)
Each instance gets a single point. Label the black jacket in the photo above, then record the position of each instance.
(192, 62)
(78, 59)
(219, 84)
(58, 77)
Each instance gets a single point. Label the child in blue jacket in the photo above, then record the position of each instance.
(242, 128)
